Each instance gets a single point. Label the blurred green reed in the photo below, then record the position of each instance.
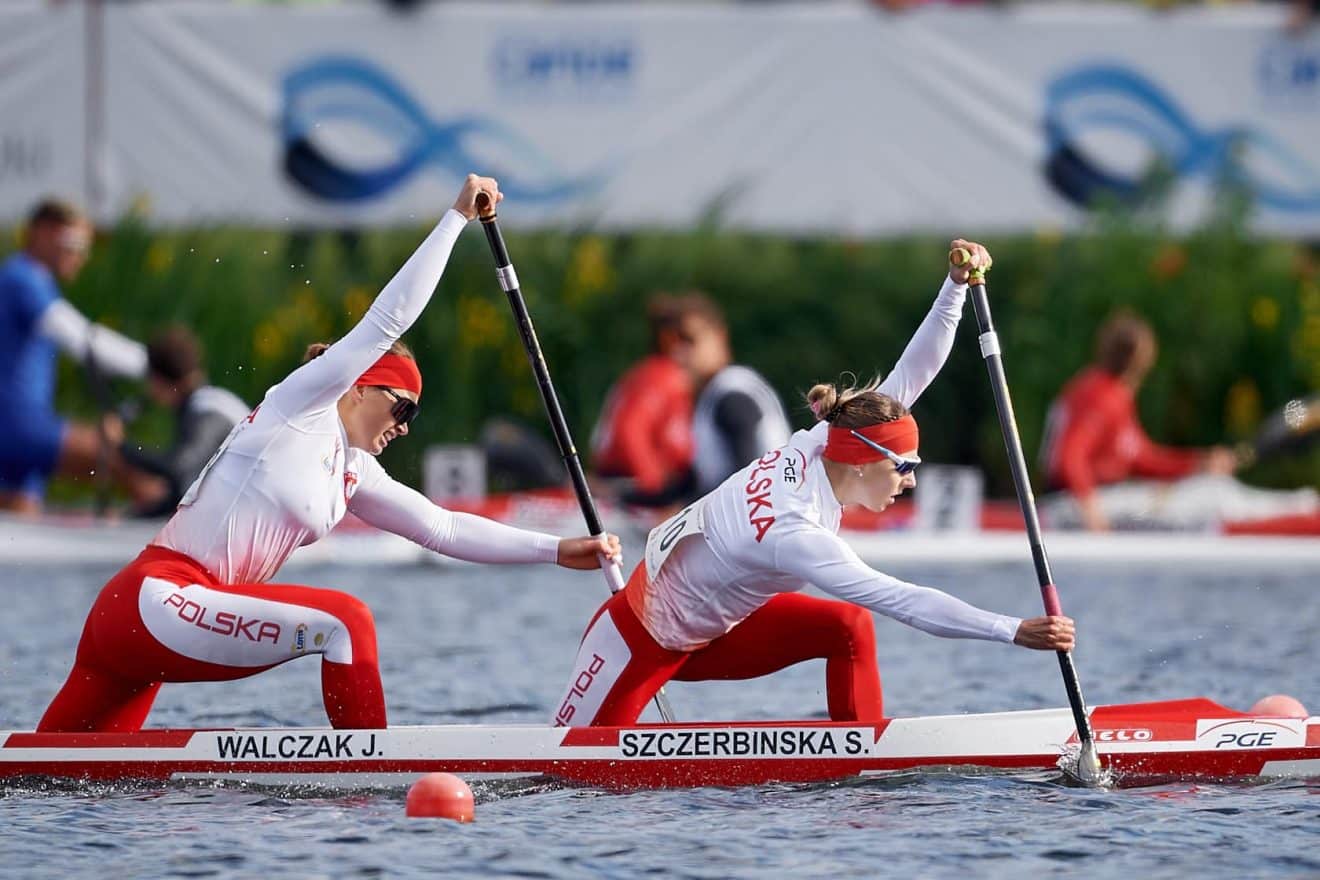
(1238, 319)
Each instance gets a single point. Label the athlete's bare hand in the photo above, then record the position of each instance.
(466, 203)
(1047, 634)
(584, 553)
(112, 429)
(1220, 460)
(980, 259)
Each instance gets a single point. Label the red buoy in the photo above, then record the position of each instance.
(1280, 706)
(441, 796)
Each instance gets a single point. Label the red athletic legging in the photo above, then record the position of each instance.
(788, 629)
(121, 660)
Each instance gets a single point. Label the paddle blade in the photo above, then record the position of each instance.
(1081, 762)
(1290, 429)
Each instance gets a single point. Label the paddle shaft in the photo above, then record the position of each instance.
(567, 450)
(1027, 501)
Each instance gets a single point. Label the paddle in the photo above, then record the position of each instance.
(1290, 429)
(1088, 768)
(105, 403)
(567, 450)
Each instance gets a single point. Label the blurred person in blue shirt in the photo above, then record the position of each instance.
(36, 322)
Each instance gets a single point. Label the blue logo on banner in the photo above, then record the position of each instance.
(1109, 99)
(338, 91)
(1290, 71)
(571, 67)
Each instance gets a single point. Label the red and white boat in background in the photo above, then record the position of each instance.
(1193, 739)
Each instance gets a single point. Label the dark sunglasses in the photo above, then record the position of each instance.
(903, 466)
(404, 410)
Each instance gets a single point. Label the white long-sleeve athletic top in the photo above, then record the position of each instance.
(286, 475)
(773, 527)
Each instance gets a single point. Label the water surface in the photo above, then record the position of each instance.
(468, 644)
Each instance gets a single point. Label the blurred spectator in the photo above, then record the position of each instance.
(1302, 14)
(35, 323)
(203, 417)
(737, 416)
(1095, 445)
(644, 434)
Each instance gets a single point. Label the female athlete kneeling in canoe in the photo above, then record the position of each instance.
(196, 605)
(717, 595)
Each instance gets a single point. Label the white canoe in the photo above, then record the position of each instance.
(1184, 739)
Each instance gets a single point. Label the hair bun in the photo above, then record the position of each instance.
(824, 401)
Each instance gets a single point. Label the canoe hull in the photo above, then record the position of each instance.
(1186, 739)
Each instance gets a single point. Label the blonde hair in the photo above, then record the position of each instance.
(316, 349)
(853, 406)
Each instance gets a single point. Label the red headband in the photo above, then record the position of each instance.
(898, 436)
(393, 371)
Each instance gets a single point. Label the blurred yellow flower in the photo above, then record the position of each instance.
(1309, 295)
(1242, 407)
(479, 322)
(514, 363)
(589, 271)
(1169, 262)
(305, 300)
(159, 257)
(1265, 313)
(268, 341)
(1049, 235)
(357, 300)
(525, 400)
(1310, 334)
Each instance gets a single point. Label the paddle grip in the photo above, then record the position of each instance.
(1050, 595)
(961, 256)
(485, 207)
(613, 574)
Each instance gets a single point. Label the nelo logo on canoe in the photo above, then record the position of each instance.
(1125, 734)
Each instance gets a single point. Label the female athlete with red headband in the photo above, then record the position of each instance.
(196, 605)
(717, 595)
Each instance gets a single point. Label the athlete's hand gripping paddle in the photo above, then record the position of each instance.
(1088, 767)
(567, 450)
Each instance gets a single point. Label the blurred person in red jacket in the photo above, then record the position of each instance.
(644, 435)
(1095, 449)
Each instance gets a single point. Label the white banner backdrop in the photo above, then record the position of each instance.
(797, 118)
(43, 142)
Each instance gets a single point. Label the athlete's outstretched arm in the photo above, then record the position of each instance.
(929, 347)
(823, 559)
(319, 383)
(82, 340)
(394, 507)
